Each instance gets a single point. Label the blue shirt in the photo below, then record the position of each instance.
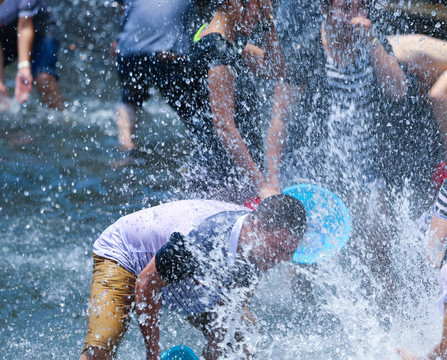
(11, 10)
(150, 26)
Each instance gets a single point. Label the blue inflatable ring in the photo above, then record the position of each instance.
(329, 223)
(180, 352)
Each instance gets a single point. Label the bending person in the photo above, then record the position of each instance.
(28, 34)
(227, 121)
(198, 257)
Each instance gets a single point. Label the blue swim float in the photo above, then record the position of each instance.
(180, 352)
(329, 223)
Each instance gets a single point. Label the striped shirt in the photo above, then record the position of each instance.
(440, 205)
(334, 129)
(351, 141)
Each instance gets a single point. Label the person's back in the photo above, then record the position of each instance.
(152, 26)
(135, 238)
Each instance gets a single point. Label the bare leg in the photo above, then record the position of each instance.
(126, 119)
(49, 91)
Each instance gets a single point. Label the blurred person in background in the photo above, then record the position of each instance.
(336, 75)
(151, 52)
(28, 34)
(324, 121)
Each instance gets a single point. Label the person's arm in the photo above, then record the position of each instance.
(148, 308)
(386, 66)
(3, 89)
(25, 39)
(222, 99)
(285, 96)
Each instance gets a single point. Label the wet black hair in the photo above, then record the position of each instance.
(280, 212)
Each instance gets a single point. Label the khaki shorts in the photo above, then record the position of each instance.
(112, 296)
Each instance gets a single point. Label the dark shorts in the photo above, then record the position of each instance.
(139, 73)
(44, 56)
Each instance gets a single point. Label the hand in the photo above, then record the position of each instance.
(24, 84)
(362, 27)
(406, 354)
(268, 190)
(252, 203)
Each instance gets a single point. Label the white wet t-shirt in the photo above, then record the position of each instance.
(134, 239)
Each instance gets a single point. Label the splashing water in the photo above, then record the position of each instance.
(62, 183)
